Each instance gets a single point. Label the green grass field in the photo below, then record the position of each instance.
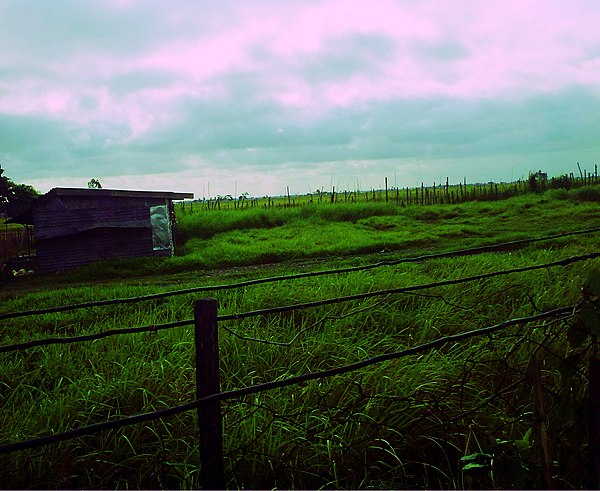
(400, 424)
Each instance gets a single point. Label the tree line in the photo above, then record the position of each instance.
(15, 198)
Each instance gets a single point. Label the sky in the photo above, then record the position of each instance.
(225, 97)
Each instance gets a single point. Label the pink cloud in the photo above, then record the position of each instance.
(31, 97)
(466, 49)
(509, 47)
(200, 58)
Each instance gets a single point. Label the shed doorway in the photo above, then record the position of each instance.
(162, 236)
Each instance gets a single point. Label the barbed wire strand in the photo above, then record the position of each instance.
(92, 337)
(301, 306)
(327, 317)
(409, 289)
(201, 289)
(277, 384)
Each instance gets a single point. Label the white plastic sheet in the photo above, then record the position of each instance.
(162, 238)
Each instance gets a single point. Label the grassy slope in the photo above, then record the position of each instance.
(384, 427)
(225, 239)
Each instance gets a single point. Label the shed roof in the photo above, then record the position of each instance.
(27, 216)
(124, 193)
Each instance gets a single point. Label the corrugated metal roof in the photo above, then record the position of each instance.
(27, 218)
(116, 192)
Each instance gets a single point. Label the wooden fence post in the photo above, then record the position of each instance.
(594, 425)
(386, 190)
(208, 383)
(540, 421)
(5, 242)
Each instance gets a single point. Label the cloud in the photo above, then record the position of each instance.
(302, 87)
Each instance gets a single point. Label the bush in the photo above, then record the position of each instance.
(427, 216)
(558, 194)
(355, 211)
(586, 193)
(210, 223)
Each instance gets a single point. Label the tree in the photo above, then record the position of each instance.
(15, 198)
(94, 183)
(3, 191)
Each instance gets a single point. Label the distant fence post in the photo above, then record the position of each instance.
(208, 383)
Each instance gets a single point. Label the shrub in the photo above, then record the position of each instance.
(586, 193)
(428, 216)
(559, 194)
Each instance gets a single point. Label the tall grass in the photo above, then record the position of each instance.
(400, 424)
(324, 230)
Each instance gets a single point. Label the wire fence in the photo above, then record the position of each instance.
(504, 246)
(286, 308)
(538, 334)
(15, 242)
(423, 195)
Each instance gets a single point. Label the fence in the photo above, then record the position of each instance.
(423, 195)
(15, 241)
(209, 395)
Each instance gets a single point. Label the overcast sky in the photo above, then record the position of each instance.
(226, 97)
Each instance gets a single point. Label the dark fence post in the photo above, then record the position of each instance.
(5, 242)
(540, 420)
(208, 383)
(594, 425)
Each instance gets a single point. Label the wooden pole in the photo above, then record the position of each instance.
(386, 190)
(540, 421)
(5, 242)
(208, 383)
(594, 425)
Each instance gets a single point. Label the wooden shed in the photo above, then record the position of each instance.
(75, 226)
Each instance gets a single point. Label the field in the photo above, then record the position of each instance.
(507, 409)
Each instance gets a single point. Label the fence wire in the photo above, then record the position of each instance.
(331, 426)
(277, 384)
(302, 306)
(480, 408)
(206, 289)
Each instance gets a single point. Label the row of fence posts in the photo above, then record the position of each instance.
(423, 195)
(210, 420)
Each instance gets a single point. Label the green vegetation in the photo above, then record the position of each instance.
(14, 198)
(215, 238)
(461, 416)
